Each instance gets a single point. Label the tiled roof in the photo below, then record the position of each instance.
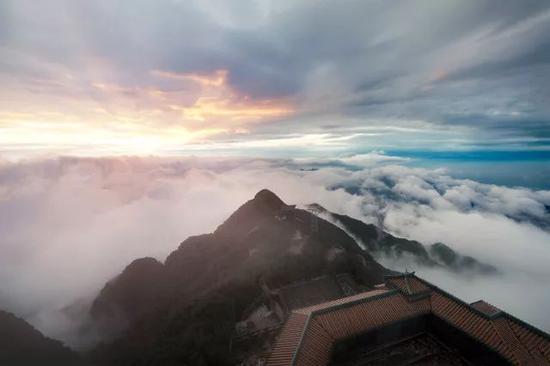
(342, 301)
(485, 308)
(308, 336)
(496, 329)
(339, 319)
(288, 340)
(353, 320)
(407, 284)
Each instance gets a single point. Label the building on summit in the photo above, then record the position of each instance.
(406, 321)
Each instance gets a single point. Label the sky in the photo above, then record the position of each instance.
(266, 78)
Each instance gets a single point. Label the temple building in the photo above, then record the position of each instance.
(405, 321)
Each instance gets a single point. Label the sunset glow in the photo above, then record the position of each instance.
(187, 76)
(139, 120)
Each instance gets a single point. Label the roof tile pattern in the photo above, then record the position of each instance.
(308, 336)
(354, 320)
(537, 345)
(289, 338)
(521, 354)
(341, 301)
(316, 347)
(408, 285)
(485, 307)
(509, 337)
(336, 320)
(359, 318)
(460, 316)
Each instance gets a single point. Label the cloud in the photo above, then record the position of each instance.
(474, 73)
(70, 224)
(356, 161)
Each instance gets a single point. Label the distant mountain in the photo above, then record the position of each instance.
(23, 345)
(448, 257)
(184, 311)
(257, 264)
(381, 243)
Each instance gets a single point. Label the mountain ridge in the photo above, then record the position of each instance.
(23, 345)
(265, 241)
(187, 308)
(381, 243)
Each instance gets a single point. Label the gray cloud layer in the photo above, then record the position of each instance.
(68, 225)
(476, 68)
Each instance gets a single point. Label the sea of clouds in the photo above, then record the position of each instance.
(68, 225)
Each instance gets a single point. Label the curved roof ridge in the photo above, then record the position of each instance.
(360, 297)
(321, 325)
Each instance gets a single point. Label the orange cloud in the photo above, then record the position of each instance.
(116, 119)
(219, 102)
(218, 78)
(206, 108)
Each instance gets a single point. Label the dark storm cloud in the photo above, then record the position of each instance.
(478, 64)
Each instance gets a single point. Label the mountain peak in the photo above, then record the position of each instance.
(143, 263)
(265, 204)
(270, 198)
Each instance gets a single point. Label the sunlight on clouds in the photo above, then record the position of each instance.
(209, 108)
(312, 140)
(80, 139)
(126, 119)
(218, 78)
(219, 101)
